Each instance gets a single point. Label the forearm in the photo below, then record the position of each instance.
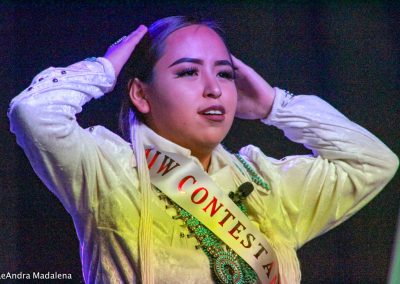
(350, 166)
(43, 120)
(48, 106)
(318, 126)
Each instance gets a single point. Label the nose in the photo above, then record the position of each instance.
(211, 87)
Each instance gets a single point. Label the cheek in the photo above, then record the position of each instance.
(177, 99)
(159, 100)
(168, 106)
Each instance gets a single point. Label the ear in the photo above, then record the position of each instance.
(137, 93)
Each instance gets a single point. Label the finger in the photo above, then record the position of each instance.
(119, 52)
(237, 63)
(238, 66)
(234, 57)
(134, 37)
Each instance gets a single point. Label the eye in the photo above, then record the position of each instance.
(229, 75)
(188, 72)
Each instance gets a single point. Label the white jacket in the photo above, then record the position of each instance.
(93, 173)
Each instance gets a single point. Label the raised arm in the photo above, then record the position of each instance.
(349, 167)
(65, 156)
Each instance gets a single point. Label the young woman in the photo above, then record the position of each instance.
(174, 206)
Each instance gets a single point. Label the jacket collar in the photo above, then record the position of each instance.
(151, 138)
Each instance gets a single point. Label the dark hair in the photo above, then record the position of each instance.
(148, 52)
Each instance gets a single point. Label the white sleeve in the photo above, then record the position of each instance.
(43, 120)
(312, 194)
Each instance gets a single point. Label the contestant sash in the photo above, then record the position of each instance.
(183, 181)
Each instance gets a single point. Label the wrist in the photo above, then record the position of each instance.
(268, 102)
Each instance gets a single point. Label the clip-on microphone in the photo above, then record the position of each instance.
(243, 191)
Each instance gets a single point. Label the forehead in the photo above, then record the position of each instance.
(195, 41)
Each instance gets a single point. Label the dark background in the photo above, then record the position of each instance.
(346, 53)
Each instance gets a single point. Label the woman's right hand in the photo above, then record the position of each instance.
(118, 54)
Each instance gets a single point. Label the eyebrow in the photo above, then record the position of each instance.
(199, 61)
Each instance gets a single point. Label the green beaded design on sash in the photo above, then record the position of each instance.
(226, 265)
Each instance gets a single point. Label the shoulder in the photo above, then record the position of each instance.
(272, 167)
(256, 156)
(112, 146)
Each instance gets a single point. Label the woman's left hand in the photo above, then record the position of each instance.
(255, 95)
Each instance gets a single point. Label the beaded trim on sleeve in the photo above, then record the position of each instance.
(253, 174)
(91, 59)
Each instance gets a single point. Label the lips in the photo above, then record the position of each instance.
(214, 113)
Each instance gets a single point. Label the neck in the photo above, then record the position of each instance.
(204, 158)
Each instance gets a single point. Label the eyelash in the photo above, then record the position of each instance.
(193, 71)
(230, 75)
(187, 72)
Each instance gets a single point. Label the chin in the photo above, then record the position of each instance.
(202, 141)
(211, 142)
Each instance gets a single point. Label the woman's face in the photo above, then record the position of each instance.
(192, 96)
